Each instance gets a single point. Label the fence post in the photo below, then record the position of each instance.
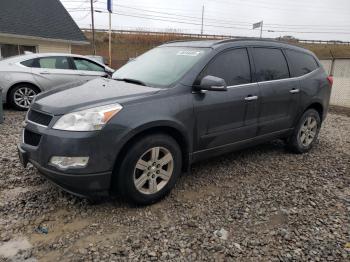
(332, 63)
(1, 109)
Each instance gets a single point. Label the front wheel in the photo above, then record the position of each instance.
(149, 169)
(22, 96)
(305, 133)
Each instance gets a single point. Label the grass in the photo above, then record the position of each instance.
(125, 46)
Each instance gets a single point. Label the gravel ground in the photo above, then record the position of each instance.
(260, 204)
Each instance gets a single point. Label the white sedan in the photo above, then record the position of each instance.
(24, 76)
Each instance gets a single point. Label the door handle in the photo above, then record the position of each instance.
(44, 72)
(294, 91)
(251, 98)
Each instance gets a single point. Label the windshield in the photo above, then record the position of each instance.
(162, 66)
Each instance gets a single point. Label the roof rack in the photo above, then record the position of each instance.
(246, 39)
(191, 40)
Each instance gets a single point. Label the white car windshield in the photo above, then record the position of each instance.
(160, 67)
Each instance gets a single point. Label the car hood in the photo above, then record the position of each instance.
(81, 95)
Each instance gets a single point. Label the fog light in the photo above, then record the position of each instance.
(62, 162)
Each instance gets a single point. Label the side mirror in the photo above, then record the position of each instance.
(109, 71)
(212, 83)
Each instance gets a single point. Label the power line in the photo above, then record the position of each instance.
(272, 7)
(162, 18)
(229, 21)
(192, 20)
(218, 26)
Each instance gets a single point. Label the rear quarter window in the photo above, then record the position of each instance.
(301, 63)
(28, 63)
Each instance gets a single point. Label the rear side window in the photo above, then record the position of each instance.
(270, 64)
(50, 62)
(301, 63)
(232, 66)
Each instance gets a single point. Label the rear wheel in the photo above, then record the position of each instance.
(305, 134)
(149, 169)
(22, 95)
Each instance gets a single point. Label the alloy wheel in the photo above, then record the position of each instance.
(24, 96)
(153, 170)
(308, 131)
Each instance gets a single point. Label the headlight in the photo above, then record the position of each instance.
(87, 120)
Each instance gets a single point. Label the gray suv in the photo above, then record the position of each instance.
(174, 105)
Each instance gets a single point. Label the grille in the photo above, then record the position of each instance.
(39, 118)
(31, 138)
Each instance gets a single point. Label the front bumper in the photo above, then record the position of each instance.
(101, 147)
(82, 185)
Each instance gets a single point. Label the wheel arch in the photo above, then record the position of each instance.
(169, 129)
(318, 107)
(18, 84)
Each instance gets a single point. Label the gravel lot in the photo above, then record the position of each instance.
(260, 204)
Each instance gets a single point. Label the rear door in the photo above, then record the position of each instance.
(52, 71)
(279, 94)
(88, 69)
(228, 116)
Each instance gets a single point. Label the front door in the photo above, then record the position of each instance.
(52, 71)
(230, 116)
(279, 94)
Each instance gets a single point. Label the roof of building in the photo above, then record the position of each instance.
(44, 19)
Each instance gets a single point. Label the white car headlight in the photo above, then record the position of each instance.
(87, 120)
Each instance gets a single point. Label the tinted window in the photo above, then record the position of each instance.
(232, 66)
(54, 62)
(86, 65)
(301, 63)
(270, 64)
(28, 63)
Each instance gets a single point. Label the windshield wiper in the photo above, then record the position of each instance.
(130, 80)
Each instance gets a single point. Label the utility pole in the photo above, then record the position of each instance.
(331, 71)
(261, 28)
(110, 39)
(202, 19)
(93, 27)
(110, 11)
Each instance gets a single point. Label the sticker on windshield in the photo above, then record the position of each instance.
(189, 53)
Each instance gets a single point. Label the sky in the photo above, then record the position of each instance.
(303, 19)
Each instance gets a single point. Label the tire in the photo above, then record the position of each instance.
(142, 167)
(22, 95)
(305, 133)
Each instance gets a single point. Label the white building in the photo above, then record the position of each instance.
(37, 26)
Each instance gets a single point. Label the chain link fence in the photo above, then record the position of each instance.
(341, 85)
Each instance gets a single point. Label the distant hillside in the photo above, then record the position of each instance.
(125, 46)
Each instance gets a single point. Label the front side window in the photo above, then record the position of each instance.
(301, 63)
(161, 66)
(232, 66)
(86, 65)
(270, 64)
